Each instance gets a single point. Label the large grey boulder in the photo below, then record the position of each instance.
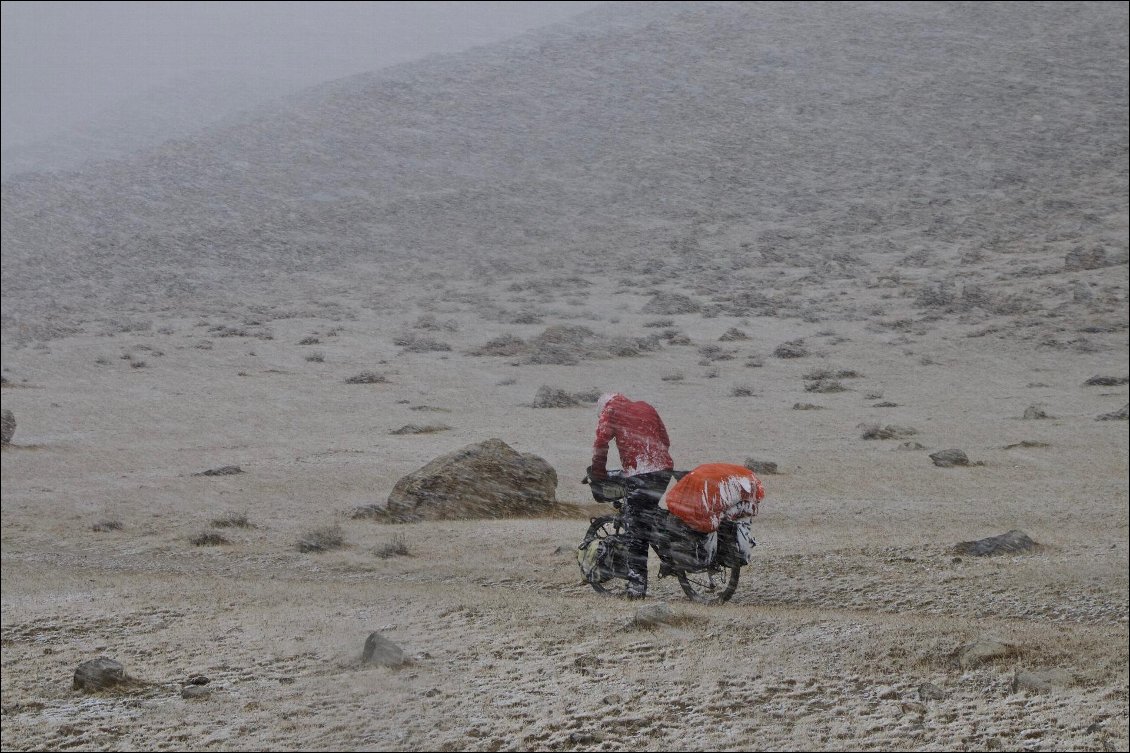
(485, 480)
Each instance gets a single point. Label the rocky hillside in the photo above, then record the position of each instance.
(845, 139)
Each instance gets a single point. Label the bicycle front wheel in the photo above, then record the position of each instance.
(602, 574)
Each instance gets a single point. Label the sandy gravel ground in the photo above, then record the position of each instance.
(843, 632)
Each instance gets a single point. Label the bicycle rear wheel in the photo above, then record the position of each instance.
(712, 586)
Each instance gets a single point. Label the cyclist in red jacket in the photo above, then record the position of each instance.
(643, 445)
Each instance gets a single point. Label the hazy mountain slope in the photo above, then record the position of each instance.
(174, 110)
(793, 129)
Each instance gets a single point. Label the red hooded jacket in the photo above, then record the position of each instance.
(641, 438)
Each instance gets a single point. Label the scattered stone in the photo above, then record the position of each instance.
(1007, 543)
(224, 470)
(1040, 681)
(742, 390)
(107, 525)
(885, 404)
(99, 674)
(485, 480)
(1119, 415)
(1027, 443)
(417, 429)
(874, 431)
(911, 446)
(912, 707)
(763, 467)
(367, 377)
(198, 680)
(1080, 258)
(807, 406)
(195, 692)
(930, 692)
(949, 458)
(653, 614)
(1032, 412)
(982, 650)
(791, 349)
(382, 652)
(1106, 381)
(7, 426)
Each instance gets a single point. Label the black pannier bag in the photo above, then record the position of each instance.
(690, 550)
(735, 543)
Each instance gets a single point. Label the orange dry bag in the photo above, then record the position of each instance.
(715, 492)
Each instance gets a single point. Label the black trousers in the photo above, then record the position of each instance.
(641, 513)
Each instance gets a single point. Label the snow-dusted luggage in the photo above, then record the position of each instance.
(713, 493)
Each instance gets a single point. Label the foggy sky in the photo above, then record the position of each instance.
(64, 62)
